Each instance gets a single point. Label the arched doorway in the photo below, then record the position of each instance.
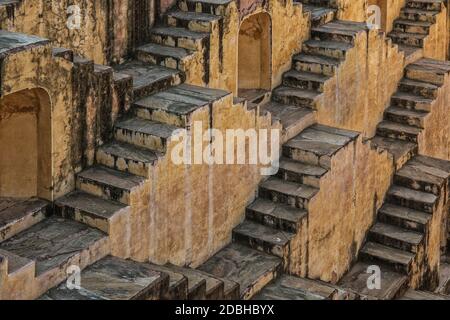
(254, 56)
(25, 144)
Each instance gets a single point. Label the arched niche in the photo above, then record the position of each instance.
(26, 144)
(254, 56)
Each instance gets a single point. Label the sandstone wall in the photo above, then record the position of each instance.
(436, 44)
(434, 141)
(339, 220)
(356, 97)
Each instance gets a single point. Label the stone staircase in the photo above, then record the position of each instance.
(318, 62)
(399, 241)
(265, 245)
(404, 119)
(185, 39)
(413, 26)
(321, 12)
(132, 280)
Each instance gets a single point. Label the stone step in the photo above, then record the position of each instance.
(144, 133)
(263, 238)
(295, 171)
(216, 7)
(402, 151)
(127, 157)
(201, 285)
(294, 288)
(304, 80)
(250, 268)
(318, 144)
(54, 245)
(295, 96)
(401, 261)
(178, 283)
(422, 177)
(113, 278)
(286, 192)
(428, 70)
(319, 15)
(148, 78)
(193, 21)
(442, 165)
(399, 131)
(276, 215)
(411, 101)
(166, 56)
(423, 295)
(444, 276)
(316, 64)
(335, 31)
(16, 264)
(424, 89)
(412, 54)
(393, 284)
(90, 210)
(411, 26)
(109, 184)
(412, 199)
(17, 215)
(393, 236)
(332, 49)
(321, 3)
(404, 217)
(430, 5)
(176, 105)
(419, 15)
(180, 37)
(408, 117)
(409, 39)
(292, 118)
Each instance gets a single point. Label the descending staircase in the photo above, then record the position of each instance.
(404, 119)
(413, 26)
(38, 248)
(263, 245)
(399, 239)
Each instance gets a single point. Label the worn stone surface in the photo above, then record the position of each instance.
(251, 269)
(292, 288)
(115, 279)
(18, 215)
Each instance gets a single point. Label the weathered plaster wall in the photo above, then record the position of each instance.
(353, 10)
(289, 28)
(203, 209)
(104, 32)
(338, 221)
(35, 68)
